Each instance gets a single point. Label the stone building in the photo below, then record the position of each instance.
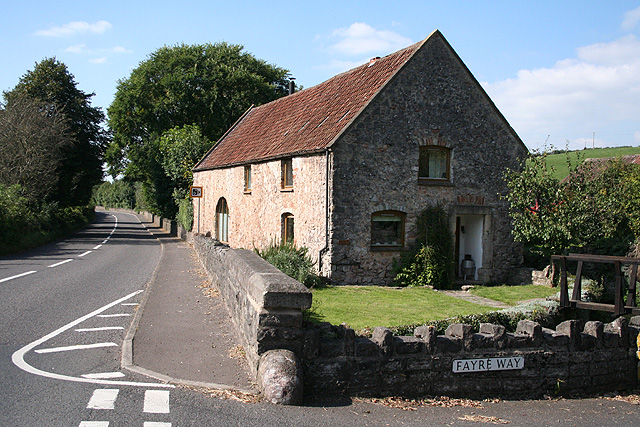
(344, 168)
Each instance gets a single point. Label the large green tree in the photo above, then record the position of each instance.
(80, 166)
(207, 85)
(31, 140)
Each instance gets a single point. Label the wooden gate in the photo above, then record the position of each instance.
(619, 307)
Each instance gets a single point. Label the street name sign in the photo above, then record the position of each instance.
(488, 364)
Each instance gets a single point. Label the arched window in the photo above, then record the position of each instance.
(222, 221)
(387, 230)
(287, 228)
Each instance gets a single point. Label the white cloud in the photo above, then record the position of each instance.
(360, 38)
(81, 49)
(599, 89)
(630, 19)
(100, 60)
(78, 48)
(76, 27)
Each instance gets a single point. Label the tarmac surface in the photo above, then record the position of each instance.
(182, 332)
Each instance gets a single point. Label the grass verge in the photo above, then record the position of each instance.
(363, 307)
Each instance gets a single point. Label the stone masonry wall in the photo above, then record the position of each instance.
(266, 308)
(433, 100)
(592, 358)
(255, 217)
(264, 303)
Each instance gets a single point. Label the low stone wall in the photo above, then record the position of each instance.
(266, 307)
(264, 303)
(530, 363)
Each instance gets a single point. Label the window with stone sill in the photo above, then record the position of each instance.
(434, 164)
(222, 221)
(247, 179)
(287, 174)
(387, 231)
(287, 228)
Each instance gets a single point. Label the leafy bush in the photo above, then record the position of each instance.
(430, 259)
(292, 261)
(25, 223)
(185, 213)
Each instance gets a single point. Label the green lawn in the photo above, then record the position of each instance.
(513, 294)
(370, 306)
(559, 161)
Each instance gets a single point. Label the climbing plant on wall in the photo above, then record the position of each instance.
(429, 261)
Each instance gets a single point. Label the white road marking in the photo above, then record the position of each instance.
(17, 275)
(129, 303)
(18, 356)
(97, 247)
(103, 398)
(76, 347)
(94, 424)
(104, 328)
(60, 263)
(105, 241)
(156, 401)
(115, 315)
(104, 375)
(85, 253)
(155, 424)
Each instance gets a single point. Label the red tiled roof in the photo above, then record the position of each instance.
(306, 121)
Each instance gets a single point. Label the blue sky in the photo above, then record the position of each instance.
(558, 70)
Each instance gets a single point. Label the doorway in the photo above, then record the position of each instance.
(469, 236)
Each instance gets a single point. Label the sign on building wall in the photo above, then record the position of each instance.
(488, 364)
(196, 192)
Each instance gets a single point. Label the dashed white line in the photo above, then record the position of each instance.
(97, 247)
(17, 275)
(60, 263)
(94, 424)
(115, 315)
(103, 398)
(76, 347)
(85, 253)
(104, 328)
(104, 375)
(155, 424)
(156, 401)
(130, 303)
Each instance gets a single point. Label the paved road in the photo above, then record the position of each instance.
(64, 311)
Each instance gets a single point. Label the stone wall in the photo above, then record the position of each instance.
(572, 358)
(264, 303)
(266, 308)
(255, 217)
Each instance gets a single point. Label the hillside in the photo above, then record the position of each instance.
(559, 161)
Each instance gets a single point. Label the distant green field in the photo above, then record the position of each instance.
(559, 161)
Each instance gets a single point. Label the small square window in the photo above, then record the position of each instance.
(433, 163)
(387, 230)
(247, 179)
(287, 174)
